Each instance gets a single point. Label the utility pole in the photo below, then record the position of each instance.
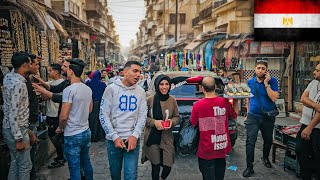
(176, 27)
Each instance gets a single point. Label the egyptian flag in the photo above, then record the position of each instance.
(287, 20)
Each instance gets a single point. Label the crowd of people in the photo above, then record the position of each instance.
(113, 107)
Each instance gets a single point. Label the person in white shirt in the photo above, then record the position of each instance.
(53, 116)
(76, 106)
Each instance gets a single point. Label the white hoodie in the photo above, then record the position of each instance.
(123, 111)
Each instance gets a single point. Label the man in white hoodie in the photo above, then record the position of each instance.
(123, 113)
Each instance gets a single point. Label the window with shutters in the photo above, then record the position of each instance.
(172, 19)
(182, 18)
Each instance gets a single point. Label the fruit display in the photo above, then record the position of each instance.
(237, 90)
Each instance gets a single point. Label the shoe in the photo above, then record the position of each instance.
(248, 172)
(266, 162)
(56, 164)
(58, 159)
(82, 178)
(39, 177)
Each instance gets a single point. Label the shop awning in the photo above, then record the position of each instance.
(31, 8)
(228, 44)
(58, 26)
(164, 48)
(193, 45)
(236, 42)
(153, 52)
(220, 44)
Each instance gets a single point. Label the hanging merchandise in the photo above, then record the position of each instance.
(166, 60)
(169, 60)
(223, 63)
(180, 54)
(201, 59)
(214, 63)
(240, 65)
(234, 63)
(198, 61)
(173, 58)
(6, 45)
(208, 54)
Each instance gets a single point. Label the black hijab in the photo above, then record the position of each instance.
(157, 111)
(155, 134)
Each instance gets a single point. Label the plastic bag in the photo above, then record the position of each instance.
(188, 138)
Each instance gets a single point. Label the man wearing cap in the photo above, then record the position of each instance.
(73, 122)
(265, 91)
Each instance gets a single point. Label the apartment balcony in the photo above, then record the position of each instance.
(206, 13)
(94, 9)
(195, 21)
(205, 5)
(219, 3)
(225, 5)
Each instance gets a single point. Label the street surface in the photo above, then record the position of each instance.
(186, 167)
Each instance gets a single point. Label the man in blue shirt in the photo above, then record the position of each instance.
(265, 91)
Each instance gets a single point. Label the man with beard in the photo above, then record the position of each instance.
(16, 116)
(265, 91)
(308, 137)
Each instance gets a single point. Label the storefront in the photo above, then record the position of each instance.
(26, 26)
(307, 56)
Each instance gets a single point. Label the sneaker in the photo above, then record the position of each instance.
(56, 164)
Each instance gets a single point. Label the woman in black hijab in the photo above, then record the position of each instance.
(163, 115)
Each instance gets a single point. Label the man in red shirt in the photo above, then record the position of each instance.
(211, 114)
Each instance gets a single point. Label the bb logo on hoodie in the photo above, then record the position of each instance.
(126, 103)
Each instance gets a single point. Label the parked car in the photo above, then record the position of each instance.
(187, 90)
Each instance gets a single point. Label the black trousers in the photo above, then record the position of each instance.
(253, 124)
(213, 169)
(97, 132)
(308, 153)
(56, 139)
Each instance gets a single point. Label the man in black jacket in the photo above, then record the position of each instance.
(55, 95)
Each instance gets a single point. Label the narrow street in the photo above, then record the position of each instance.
(186, 167)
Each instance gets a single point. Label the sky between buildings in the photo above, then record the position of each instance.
(127, 15)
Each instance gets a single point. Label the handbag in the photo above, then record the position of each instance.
(266, 114)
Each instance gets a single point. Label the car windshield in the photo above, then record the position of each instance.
(186, 90)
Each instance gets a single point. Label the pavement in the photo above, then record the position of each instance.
(186, 166)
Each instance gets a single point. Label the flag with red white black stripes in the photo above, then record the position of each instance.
(287, 20)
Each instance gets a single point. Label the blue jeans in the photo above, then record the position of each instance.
(76, 149)
(20, 165)
(116, 156)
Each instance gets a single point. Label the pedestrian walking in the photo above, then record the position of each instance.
(73, 122)
(308, 137)
(123, 114)
(97, 87)
(163, 114)
(211, 115)
(261, 110)
(16, 117)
